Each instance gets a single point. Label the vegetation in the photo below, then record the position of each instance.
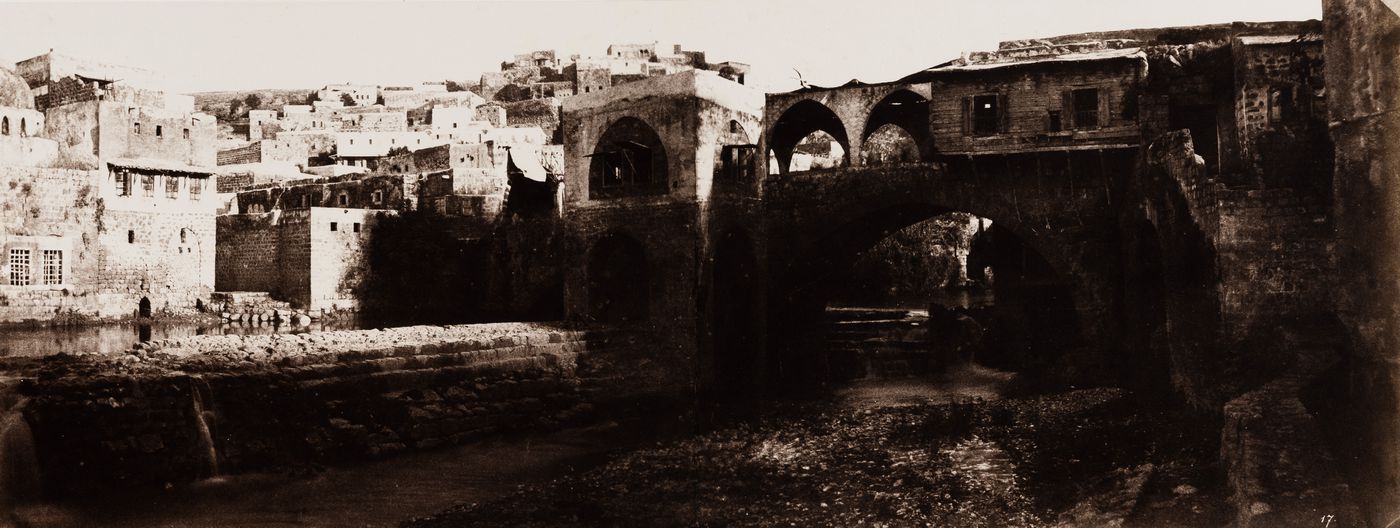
(346, 100)
(914, 262)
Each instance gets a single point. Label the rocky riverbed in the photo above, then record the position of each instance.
(921, 457)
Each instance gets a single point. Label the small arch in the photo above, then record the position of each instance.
(143, 309)
(184, 235)
(618, 287)
(798, 122)
(629, 159)
(5, 125)
(23, 128)
(130, 236)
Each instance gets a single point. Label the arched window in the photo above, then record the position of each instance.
(23, 128)
(5, 126)
(183, 235)
(628, 160)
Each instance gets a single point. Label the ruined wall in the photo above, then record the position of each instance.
(331, 397)
(251, 153)
(1363, 91)
(1280, 110)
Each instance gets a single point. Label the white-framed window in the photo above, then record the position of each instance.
(53, 266)
(21, 264)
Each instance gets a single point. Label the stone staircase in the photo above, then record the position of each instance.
(255, 307)
(877, 344)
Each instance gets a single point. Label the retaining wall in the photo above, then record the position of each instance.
(189, 408)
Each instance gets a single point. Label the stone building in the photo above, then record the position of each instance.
(305, 241)
(361, 94)
(109, 197)
(660, 194)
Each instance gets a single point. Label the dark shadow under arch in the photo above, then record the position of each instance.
(143, 309)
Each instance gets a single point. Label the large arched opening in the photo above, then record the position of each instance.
(628, 160)
(797, 123)
(897, 124)
(618, 287)
(1026, 321)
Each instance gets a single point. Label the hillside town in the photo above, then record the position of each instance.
(140, 205)
(1132, 277)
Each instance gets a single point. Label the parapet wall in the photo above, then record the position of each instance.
(189, 408)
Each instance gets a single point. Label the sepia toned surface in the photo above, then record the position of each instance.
(1137, 276)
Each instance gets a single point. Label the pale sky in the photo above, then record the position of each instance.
(202, 46)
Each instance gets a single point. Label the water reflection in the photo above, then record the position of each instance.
(118, 337)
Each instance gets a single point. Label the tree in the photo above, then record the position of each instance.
(312, 97)
(347, 100)
(254, 101)
(454, 86)
(236, 109)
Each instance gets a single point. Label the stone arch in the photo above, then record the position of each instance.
(801, 120)
(906, 110)
(735, 341)
(618, 280)
(629, 159)
(1041, 310)
(143, 308)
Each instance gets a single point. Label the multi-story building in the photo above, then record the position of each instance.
(119, 198)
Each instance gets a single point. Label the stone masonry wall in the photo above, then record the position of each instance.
(189, 408)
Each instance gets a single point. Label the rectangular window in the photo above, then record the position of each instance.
(986, 115)
(186, 133)
(148, 185)
(737, 162)
(158, 131)
(357, 227)
(123, 183)
(53, 266)
(335, 226)
(1086, 108)
(172, 187)
(20, 263)
(136, 128)
(196, 188)
(344, 199)
(377, 197)
(1056, 124)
